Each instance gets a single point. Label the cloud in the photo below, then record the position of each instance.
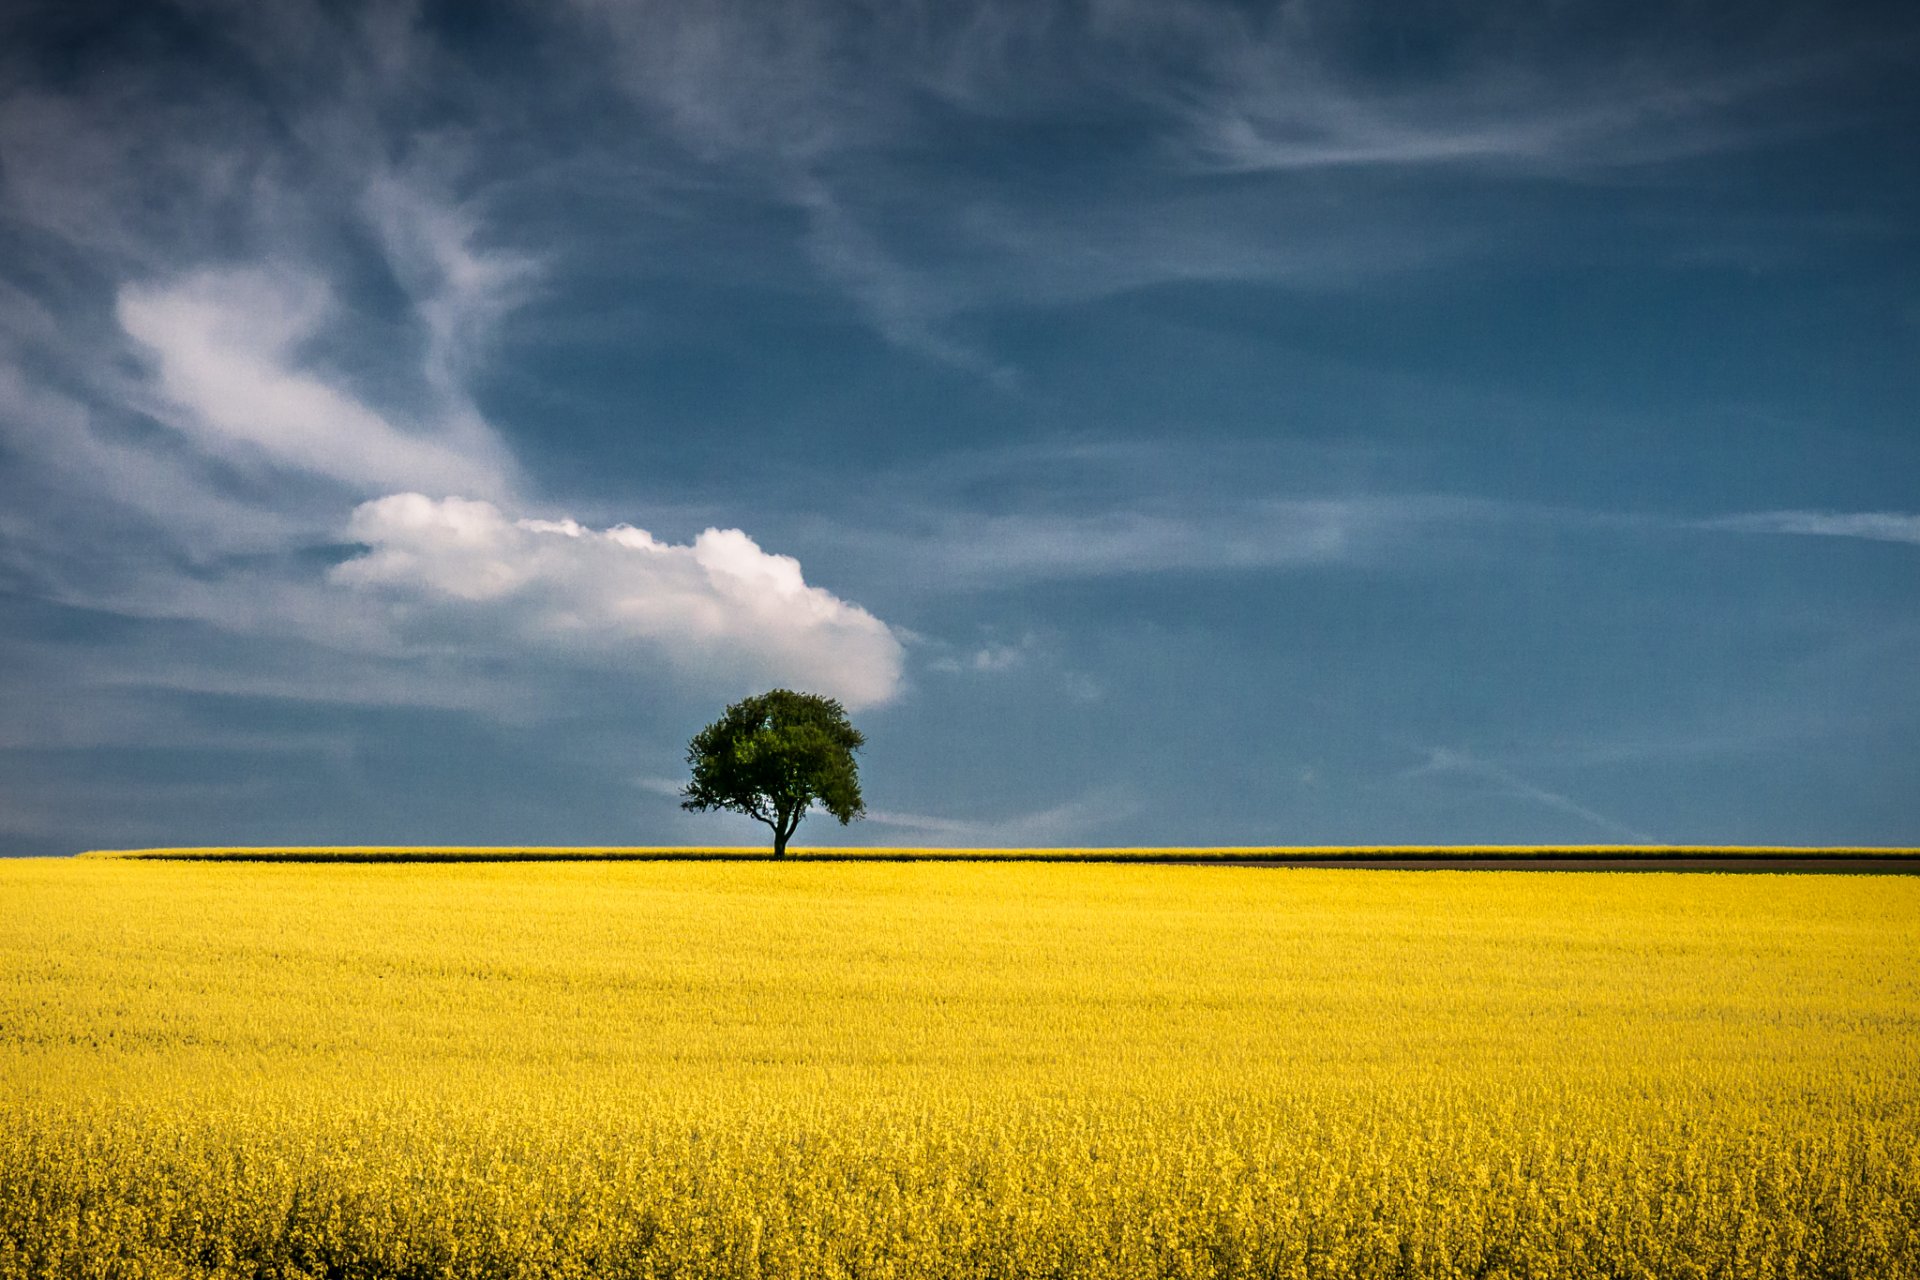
(833, 110)
(738, 78)
(1443, 761)
(65, 457)
(905, 308)
(999, 657)
(1289, 86)
(1057, 825)
(1305, 88)
(1161, 534)
(721, 609)
(1875, 526)
(991, 658)
(459, 289)
(1043, 546)
(324, 358)
(227, 345)
(1281, 112)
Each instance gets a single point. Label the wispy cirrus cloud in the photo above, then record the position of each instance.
(1874, 526)
(1282, 101)
(971, 550)
(909, 310)
(828, 108)
(999, 550)
(226, 345)
(461, 289)
(1451, 762)
(1090, 816)
(189, 281)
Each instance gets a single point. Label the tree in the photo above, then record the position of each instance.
(772, 756)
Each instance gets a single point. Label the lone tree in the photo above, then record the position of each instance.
(772, 756)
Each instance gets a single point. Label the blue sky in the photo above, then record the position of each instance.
(1160, 422)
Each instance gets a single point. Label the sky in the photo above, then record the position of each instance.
(1157, 421)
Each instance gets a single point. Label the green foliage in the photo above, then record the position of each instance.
(773, 756)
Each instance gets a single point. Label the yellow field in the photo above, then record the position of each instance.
(745, 1069)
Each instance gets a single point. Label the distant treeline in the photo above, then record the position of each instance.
(1250, 855)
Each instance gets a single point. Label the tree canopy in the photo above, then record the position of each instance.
(774, 755)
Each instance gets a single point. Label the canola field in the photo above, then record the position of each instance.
(767, 1070)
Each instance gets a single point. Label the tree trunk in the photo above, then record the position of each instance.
(784, 824)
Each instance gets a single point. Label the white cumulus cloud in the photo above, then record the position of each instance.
(719, 609)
